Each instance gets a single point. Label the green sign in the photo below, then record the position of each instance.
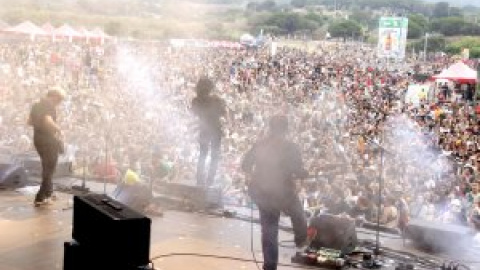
(391, 22)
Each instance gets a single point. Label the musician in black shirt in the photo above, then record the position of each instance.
(272, 166)
(46, 140)
(209, 109)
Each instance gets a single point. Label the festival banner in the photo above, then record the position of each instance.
(392, 38)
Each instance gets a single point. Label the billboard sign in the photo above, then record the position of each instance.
(392, 38)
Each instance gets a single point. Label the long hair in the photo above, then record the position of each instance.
(204, 87)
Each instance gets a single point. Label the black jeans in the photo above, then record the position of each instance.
(48, 151)
(269, 220)
(209, 142)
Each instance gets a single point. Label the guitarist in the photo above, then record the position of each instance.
(46, 139)
(272, 165)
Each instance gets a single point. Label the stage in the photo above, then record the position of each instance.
(32, 238)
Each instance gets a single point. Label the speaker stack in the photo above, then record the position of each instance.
(107, 235)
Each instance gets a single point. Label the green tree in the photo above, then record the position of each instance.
(345, 29)
(449, 26)
(417, 26)
(441, 9)
(298, 3)
(455, 26)
(361, 16)
(284, 23)
(455, 12)
(435, 44)
(268, 5)
(312, 16)
(463, 43)
(470, 29)
(419, 19)
(414, 30)
(475, 52)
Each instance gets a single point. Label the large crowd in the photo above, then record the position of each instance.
(128, 105)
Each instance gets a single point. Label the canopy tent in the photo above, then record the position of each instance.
(98, 33)
(247, 39)
(27, 28)
(458, 72)
(85, 33)
(66, 31)
(48, 28)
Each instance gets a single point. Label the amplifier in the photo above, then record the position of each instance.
(77, 257)
(104, 226)
(333, 232)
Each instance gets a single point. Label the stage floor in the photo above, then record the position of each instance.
(32, 238)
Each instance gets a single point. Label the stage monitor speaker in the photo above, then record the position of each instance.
(104, 226)
(33, 165)
(333, 232)
(198, 197)
(12, 176)
(437, 236)
(137, 196)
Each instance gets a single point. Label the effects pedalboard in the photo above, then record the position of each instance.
(333, 259)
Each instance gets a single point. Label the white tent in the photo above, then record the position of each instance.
(66, 31)
(26, 28)
(247, 38)
(458, 72)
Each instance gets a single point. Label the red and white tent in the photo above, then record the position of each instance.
(66, 31)
(87, 35)
(27, 28)
(98, 33)
(48, 28)
(459, 72)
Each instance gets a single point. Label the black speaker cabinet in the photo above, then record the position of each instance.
(437, 236)
(74, 257)
(110, 232)
(137, 196)
(334, 232)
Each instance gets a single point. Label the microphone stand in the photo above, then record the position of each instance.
(83, 188)
(380, 186)
(107, 117)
